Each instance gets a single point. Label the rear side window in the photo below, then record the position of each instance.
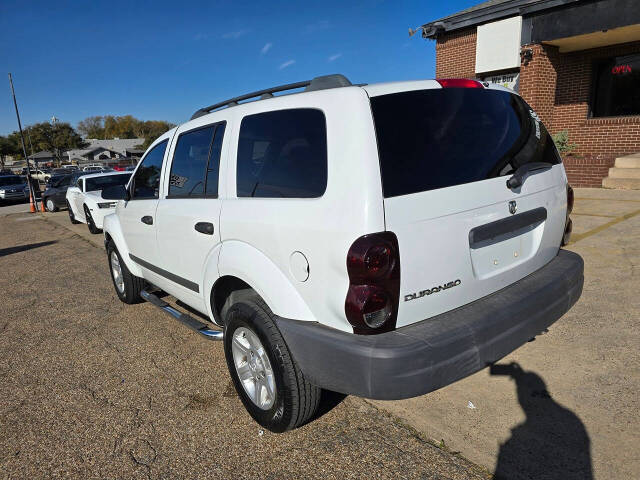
(146, 182)
(429, 139)
(283, 154)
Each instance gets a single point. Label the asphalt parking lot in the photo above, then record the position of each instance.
(98, 389)
(95, 389)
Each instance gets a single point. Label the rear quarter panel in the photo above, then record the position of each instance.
(322, 229)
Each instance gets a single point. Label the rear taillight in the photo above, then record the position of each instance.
(459, 83)
(568, 225)
(373, 264)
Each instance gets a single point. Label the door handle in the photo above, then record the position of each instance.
(147, 219)
(204, 227)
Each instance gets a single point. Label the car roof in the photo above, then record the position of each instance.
(104, 174)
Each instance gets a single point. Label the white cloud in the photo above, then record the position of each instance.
(317, 26)
(266, 48)
(334, 57)
(237, 34)
(286, 64)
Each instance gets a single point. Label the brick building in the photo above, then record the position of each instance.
(576, 62)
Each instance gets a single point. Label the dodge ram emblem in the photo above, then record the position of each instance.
(513, 207)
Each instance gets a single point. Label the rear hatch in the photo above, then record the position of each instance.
(445, 155)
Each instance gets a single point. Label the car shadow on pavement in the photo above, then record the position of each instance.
(23, 248)
(552, 443)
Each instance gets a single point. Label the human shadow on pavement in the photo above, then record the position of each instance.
(23, 248)
(552, 443)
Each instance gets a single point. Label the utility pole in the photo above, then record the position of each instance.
(24, 148)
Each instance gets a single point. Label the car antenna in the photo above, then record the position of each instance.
(24, 148)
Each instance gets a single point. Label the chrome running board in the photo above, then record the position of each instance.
(189, 321)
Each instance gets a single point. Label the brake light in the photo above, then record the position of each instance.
(459, 83)
(373, 265)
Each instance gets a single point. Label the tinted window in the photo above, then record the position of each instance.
(190, 162)
(60, 181)
(214, 162)
(430, 139)
(146, 183)
(10, 180)
(99, 183)
(283, 154)
(617, 87)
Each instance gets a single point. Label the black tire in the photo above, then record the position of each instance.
(133, 285)
(72, 217)
(296, 400)
(50, 205)
(90, 223)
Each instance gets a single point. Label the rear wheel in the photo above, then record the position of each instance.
(127, 285)
(269, 382)
(72, 217)
(90, 223)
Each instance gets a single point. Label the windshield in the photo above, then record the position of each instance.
(60, 180)
(99, 183)
(429, 139)
(10, 180)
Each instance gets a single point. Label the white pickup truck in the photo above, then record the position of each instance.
(377, 240)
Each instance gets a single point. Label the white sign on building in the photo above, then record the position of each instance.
(498, 45)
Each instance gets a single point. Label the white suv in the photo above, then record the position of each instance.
(376, 240)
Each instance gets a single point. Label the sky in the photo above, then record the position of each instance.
(163, 60)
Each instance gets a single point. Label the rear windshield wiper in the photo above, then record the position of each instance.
(518, 177)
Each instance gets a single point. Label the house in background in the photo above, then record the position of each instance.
(108, 152)
(41, 158)
(576, 62)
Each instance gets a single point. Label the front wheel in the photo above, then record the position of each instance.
(90, 223)
(268, 380)
(127, 285)
(51, 206)
(72, 217)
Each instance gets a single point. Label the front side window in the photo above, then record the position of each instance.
(194, 170)
(282, 154)
(617, 87)
(146, 182)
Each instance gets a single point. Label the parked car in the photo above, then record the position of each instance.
(96, 168)
(70, 167)
(12, 187)
(40, 174)
(54, 197)
(84, 200)
(380, 240)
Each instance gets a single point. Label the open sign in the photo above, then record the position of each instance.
(620, 69)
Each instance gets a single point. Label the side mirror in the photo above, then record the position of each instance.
(117, 192)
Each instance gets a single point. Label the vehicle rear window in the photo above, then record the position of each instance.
(99, 183)
(283, 154)
(429, 139)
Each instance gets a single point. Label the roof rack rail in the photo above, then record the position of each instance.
(318, 83)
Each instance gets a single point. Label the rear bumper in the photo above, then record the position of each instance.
(431, 354)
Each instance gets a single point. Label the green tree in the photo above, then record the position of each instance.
(152, 129)
(125, 126)
(55, 137)
(92, 127)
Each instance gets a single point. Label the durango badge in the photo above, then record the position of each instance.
(429, 291)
